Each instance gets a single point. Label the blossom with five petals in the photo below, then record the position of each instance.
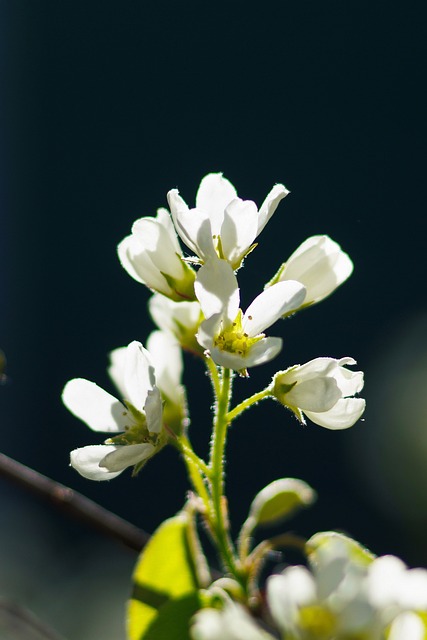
(321, 389)
(166, 357)
(233, 339)
(222, 224)
(319, 264)
(138, 419)
(152, 255)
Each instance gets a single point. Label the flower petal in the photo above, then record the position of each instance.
(342, 416)
(318, 394)
(213, 196)
(271, 304)
(238, 230)
(270, 204)
(98, 409)
(262, 351)
(153, 409)
(139, 375)
(166, 357)
(217, 290)
(126, 456)
(174, 317)
(320, 265)
(86, 461)
(193, 226)
(155, 241)
(407, 626)
(117, 368)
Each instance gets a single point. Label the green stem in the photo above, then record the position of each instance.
(213, 370)
(219, 520)
(261, 395)
(196, 468)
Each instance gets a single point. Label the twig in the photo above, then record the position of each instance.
(73, 503)
(23, 623)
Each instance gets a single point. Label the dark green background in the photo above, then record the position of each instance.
(107, 106)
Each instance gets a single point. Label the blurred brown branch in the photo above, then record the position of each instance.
(73, 503)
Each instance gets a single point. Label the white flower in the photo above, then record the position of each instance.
(230, 623)
(221, 223)
(233, 339)
(322, 389)
(140, 418)
(180, 319)
(320, 265)
(347, 595)
(152, 255)
(407, 626)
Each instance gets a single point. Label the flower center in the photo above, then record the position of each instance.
(317, 621)
(234, 340)
(136, 432)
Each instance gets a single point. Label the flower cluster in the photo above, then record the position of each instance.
(346, 593)
(196, 305)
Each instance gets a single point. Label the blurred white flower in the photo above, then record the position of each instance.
(222, 224)
(139, 418)
(233, 339)
(407, 626)
(347, 597)
(152, 255)
(180, 319)
(322, 389)
(230, 623)
(320, 265)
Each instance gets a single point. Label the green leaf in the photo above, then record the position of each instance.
(172, 621)
(165, 573)
(280, 499)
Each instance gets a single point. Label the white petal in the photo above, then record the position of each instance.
(294, 588)
(407, 626)
(214, 195)
(153, 410)
(318, 394)
(139, 375)
(262, 351)
(166, 356)
(217, 290)
(319, 367)
(343, 415)
(116, 370)
(270, 205)
(86, 461)
(98, 409)
(156, 242)
(139, 265)
(170, 316)
(208, 330)
(271, 304)
(320, 265)
(126, 456)
(239, 229)
(350, 382)
(193, 226)
(164, 218)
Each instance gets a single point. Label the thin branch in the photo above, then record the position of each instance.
(23, 623)
(73, 503)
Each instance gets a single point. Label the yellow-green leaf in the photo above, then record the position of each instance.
(164, 572)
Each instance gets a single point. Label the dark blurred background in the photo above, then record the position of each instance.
(105, 106)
